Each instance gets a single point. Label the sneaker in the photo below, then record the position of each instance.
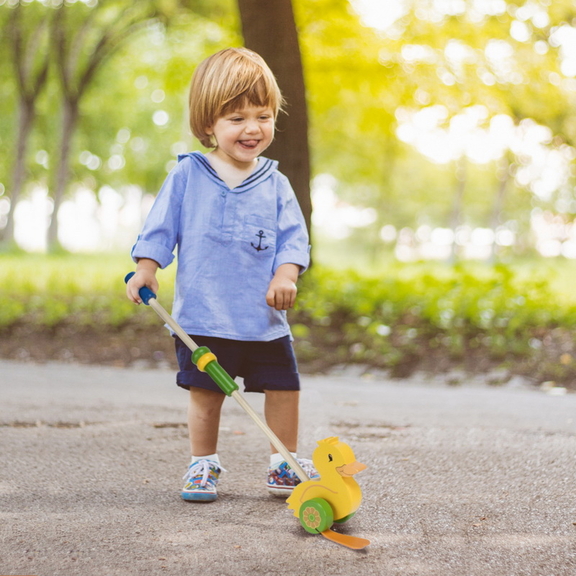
(201, 480)
(282, 480)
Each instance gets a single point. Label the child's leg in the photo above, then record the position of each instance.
(203, 423)
(204, 420)
(281, 412)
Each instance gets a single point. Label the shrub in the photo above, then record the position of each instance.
(429, 318)
(417, 316)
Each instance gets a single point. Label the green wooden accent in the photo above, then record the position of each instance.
(345, 519)
(221, 377)
(199, 352)
(216, 372)
(316, 515)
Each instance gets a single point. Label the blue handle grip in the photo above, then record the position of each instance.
(145, 292)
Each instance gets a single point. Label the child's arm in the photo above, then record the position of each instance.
(282, 288)
(145, 275)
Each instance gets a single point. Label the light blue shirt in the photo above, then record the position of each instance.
(230, 244)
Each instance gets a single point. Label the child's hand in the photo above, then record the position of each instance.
(145, 275)
(282, 288)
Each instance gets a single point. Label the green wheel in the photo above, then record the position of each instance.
(316, 515)
(345, 519)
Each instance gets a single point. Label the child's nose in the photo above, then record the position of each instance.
(252, 126)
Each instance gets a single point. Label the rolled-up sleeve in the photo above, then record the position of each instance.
(292, 237)
(162, 226)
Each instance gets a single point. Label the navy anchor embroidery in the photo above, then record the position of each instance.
(259, 247)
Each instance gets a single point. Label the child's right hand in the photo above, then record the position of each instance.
(145, 275)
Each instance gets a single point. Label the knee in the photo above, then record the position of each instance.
(206, 401)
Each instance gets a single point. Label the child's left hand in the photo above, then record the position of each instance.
(282, 288)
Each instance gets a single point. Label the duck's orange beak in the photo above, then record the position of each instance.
(348, 470)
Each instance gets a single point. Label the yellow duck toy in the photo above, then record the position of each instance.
(334, 497)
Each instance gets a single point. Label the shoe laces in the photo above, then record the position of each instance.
(208, 470)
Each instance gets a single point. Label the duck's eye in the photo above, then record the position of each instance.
(330, 458)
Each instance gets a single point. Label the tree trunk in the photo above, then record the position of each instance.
(456, 216)
(69, 120)
(503, 172)
(384, 203)
(28, 48)
(76, 74)
(269, 29)
(25, 121)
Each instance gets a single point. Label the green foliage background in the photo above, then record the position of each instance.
(411, 317)
(519, 315)
(357, 79)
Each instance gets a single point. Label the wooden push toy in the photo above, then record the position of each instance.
(335, 496)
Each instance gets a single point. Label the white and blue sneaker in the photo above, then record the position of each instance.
(201, 480)
(282, 479)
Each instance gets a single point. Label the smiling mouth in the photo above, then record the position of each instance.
(248, 143)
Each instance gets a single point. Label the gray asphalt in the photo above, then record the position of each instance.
(463, 481)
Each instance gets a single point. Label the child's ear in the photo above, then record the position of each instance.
(209, 133)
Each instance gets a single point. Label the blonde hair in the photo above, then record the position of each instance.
(226, 81)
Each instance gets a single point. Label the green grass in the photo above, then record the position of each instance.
(558, 274)
(430, 315)
(88, 289)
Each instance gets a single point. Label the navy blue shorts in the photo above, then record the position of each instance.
(262, 365)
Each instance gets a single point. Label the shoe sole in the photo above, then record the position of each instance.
(281, 492)
(195, 497)
(284, 490)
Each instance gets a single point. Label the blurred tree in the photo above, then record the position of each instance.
(269, 29)
(83, 38)
(352, 104)
(499, 57)
(140, 98)
(365, 90)
(502, 58)
(28, 43)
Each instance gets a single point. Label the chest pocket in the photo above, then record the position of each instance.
(259, 236)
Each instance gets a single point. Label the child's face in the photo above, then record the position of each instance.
(242, 135)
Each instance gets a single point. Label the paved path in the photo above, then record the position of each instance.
(461, 481)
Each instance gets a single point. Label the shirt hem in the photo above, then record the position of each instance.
(229, 336)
